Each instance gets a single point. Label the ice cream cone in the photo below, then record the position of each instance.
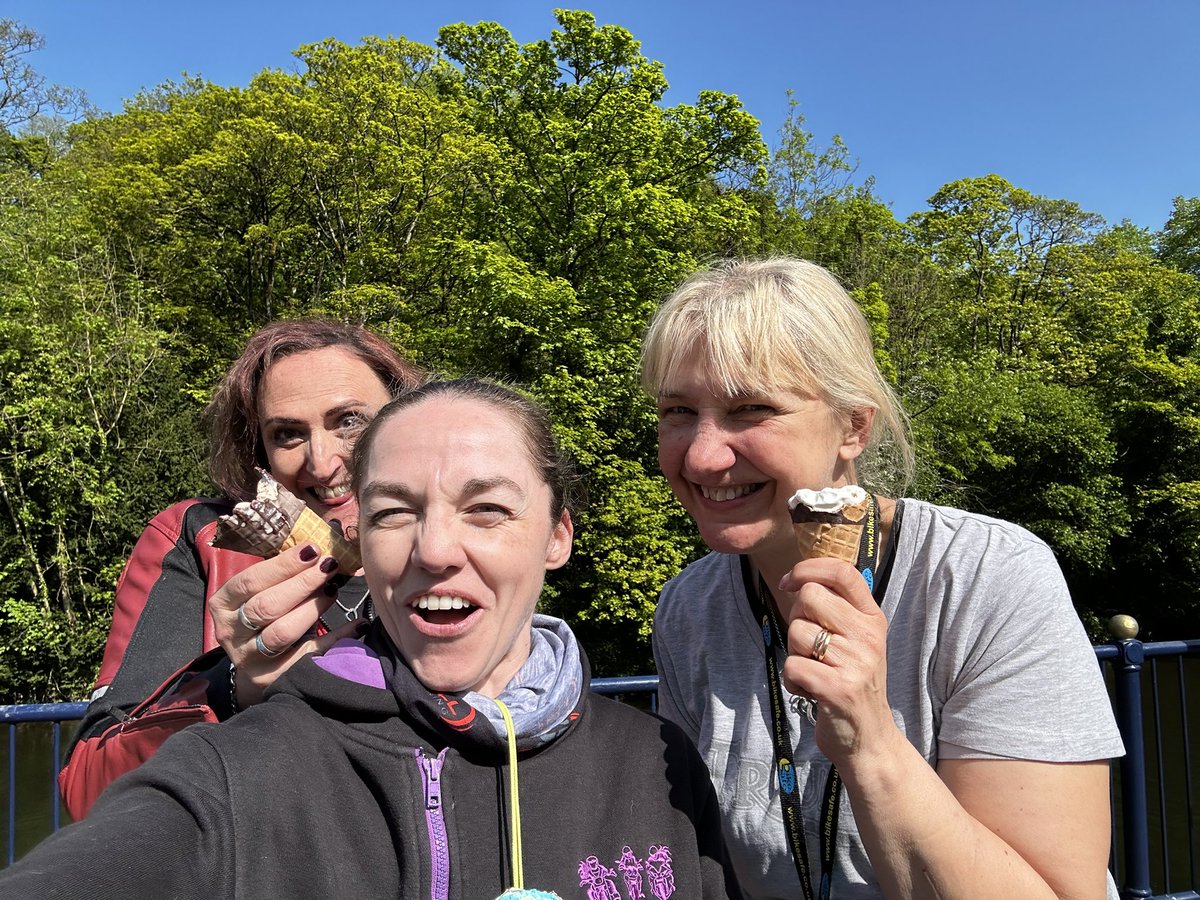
(329, 541)
(829, 523)
(277, 520)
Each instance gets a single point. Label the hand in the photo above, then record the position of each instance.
(849, 681)
(282, 598)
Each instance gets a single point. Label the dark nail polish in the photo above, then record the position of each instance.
(308, 553)
(328, 564)
(329, 589)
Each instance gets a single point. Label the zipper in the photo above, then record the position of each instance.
(435, 823)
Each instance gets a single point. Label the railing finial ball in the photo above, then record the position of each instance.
(1123, 627)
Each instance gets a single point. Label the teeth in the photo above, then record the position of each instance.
(436, 602)
(331, 493)
(721, 494)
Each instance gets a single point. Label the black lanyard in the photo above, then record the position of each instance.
(789, 788)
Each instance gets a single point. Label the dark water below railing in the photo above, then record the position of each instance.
(38, 803)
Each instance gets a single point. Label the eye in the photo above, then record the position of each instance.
(285, 437)
(487, 514)
(391, 515)
(674, 411)
(354, 421)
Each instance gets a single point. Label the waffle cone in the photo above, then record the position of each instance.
(277, 520)
(329, 541)
(838, 540)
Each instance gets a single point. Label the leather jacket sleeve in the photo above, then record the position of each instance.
(160, 623)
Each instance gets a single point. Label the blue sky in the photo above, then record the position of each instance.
(1095, 102)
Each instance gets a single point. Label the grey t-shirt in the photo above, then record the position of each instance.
(986, 657)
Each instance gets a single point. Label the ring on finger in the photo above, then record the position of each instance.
(245, 619)
(821, 645)
(261, 647)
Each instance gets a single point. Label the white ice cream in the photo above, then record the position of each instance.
(828, 500)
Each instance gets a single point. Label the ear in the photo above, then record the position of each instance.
(857, 434)
(558, 550)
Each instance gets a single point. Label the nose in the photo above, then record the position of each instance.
(708, 449)
(437, 547)
(326, 455)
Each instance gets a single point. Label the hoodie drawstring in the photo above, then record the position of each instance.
(514, 800)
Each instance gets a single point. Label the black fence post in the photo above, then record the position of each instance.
(1128, 674)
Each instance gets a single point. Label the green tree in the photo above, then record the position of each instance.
(1178, 244)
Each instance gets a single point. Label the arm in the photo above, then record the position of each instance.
(974, 827)
(165, 588)
(982, 828)
(158, 625)
(164, 832)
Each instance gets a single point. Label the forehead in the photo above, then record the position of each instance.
(462, 436)
(311, 371)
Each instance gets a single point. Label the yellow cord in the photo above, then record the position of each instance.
(514, 799)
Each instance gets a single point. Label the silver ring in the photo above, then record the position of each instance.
(245, 620)
(262, 648)
(821, 645)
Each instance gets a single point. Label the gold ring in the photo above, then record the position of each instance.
(821, 645)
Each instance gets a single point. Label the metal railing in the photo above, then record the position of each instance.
(1154, 830)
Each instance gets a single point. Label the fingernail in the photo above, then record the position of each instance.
(308, 553)
(361, 628)
(338, 580)
(328, 564)
(329, 589)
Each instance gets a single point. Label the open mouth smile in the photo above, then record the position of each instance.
(441, 615)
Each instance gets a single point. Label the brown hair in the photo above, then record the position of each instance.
(232, 414)
(552, 463)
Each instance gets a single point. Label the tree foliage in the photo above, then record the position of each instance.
(519, 210)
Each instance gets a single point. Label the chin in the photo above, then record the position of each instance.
(732, 538)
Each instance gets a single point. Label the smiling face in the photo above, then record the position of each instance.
(307, 402)
(456, 536)
(734, 461)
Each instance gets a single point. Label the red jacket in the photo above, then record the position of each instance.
(162, 668)
(160, 623)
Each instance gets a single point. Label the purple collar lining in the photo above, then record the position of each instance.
(353, 661)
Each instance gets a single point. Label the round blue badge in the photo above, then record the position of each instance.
(787, 777)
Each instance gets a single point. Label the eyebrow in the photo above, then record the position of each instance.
(340, 409)
(477, 486)
(471, 488)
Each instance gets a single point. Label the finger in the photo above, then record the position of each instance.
(293, 625)
(279, 599)
(814, 641)
(264, 574)
(838, 577)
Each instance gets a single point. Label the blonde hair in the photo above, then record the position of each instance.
(780, 324)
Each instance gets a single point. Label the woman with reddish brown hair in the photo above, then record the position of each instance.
(289, 405)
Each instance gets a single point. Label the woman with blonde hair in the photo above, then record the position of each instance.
(926, 721)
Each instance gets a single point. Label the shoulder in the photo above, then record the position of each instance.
(942, 534)
(714, 577)
(632, 729)
(187, 518)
